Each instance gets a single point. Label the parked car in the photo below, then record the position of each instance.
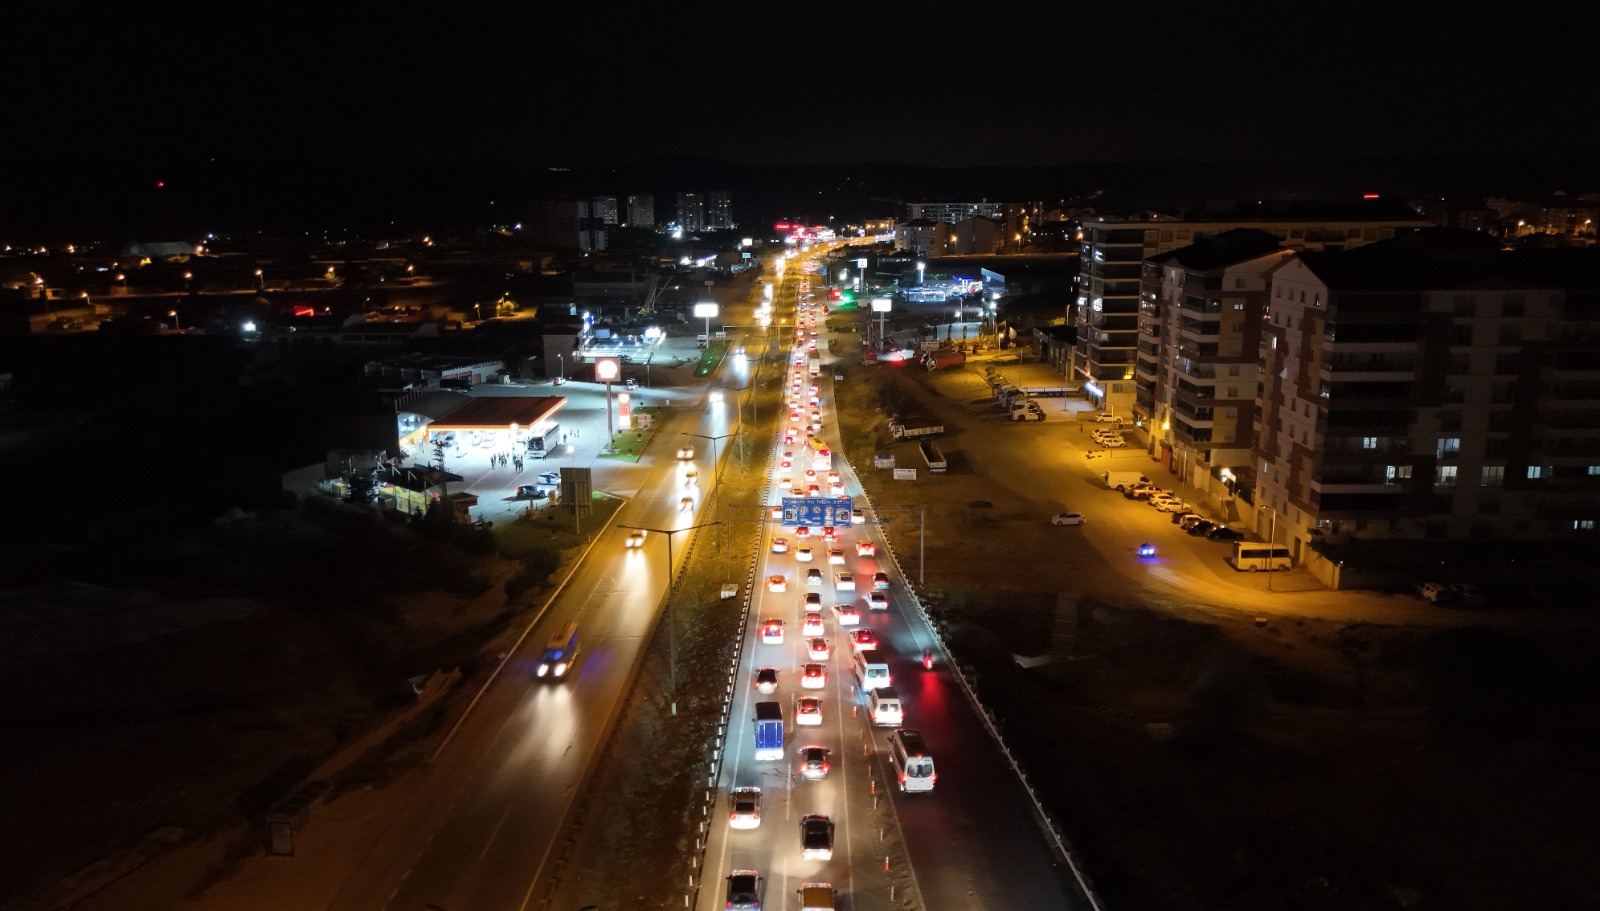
(1469, 594)
(1201, 528)
(1224, 533)
(1179, 518)
(1106, 417)
(1437, 593)
(1067, 518)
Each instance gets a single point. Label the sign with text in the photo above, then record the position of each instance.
(816, 512)
(905, 474)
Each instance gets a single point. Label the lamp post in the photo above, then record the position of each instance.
(1272, 540)
(561, 367)
(606, 370)
(715, 465)
(672, 621)
(177, 321)
(260, 282)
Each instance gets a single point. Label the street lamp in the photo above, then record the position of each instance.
(672, 617)
(714, 463)
(606, 370)
(1272, 540)
(561, 368)
(177, 321)
(260, 282)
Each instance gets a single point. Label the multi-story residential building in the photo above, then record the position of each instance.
(1014, 220)
(641, 211)
(916, 237)
(571, 224)
(719, 211)
(969, 236)
(1199, 354)
(691, 211)
(1432, 387)
(954, 211)
(1114, 248)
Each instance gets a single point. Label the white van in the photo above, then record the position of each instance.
(912, 761)
(1249, 557)
(870, 675)
(885, 705)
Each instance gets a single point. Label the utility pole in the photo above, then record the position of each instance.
(672, 617)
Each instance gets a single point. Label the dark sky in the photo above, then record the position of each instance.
(807, 83)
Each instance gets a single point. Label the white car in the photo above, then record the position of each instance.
(1106, 417)
(1113, 442)
(844, 581)
(777, 584)
(808, 711)
(1067, 518)
(812, 624)
(857, 517)
(802, 554)
(772, 631)
(813, 677)
(744, 808)
(836, 556)
(685, 452)
(780, 545)
(818, 649)
(866, 549)
(878, 601)
(634, 539)
(846, 614)
(813, 576)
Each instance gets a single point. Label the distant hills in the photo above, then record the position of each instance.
(59, 200)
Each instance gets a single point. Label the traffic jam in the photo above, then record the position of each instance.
(818, 660)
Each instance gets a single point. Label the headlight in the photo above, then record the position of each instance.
(544, 669)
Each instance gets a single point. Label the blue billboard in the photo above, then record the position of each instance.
(816, 512)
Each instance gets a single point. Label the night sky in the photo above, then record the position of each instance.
(153, 88)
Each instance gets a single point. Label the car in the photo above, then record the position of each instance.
(857, 517)
(1185, 519)
(1113, 442)
(813, 677)
(813, 490)
(744, 891)
(767, 681)
(1067, 518)
(844, 581)
(808, 711)
(816, 837)
(691, 477)
(785, 464)
(788, 436)
(880, 582)
(784, 480)
(549, 477)
(866, 549)
(685, 452)
(1437, 593)
(796, 492)
(686, 504)
(829, 533)
(780, 545)
(772, 631)
(817, 649)
(533, 491)
(1201, 528)
(812, 601)
(813, 763)
(835, 556)
(813, 576)
(802, 554)
(1143, 491)
(1172, 505)
(744, 808)
(1224, 533)
(836, 489)
(777, 584)
(812, 624)
(1469, 594)
(878, 601)
(863, 640)
(834, 477)
(775, 512)
(1106, 417)
(846, 614)
(635, 538)
(802, 532)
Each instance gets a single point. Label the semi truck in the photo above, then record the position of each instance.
(935, 360)
(769, 731)
(932, 455)
(904, 432)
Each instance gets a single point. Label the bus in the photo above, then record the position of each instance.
(560, 652)
(1248, 557)
(821, 455)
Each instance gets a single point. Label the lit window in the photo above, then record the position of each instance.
(1369, 442)
(1594, 470)
(1583, 525)
(1448, 445)
(1537, 472)
(1493, 476)
(1446, 476)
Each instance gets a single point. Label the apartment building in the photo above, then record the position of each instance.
(1199, 354)
(641, 209)
(719, 211)
(1114, 248)
(691, 211)
(1432, 387)
(572, 224)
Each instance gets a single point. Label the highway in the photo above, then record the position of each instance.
(972, 842)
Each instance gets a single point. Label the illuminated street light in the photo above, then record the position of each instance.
(672, 621)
